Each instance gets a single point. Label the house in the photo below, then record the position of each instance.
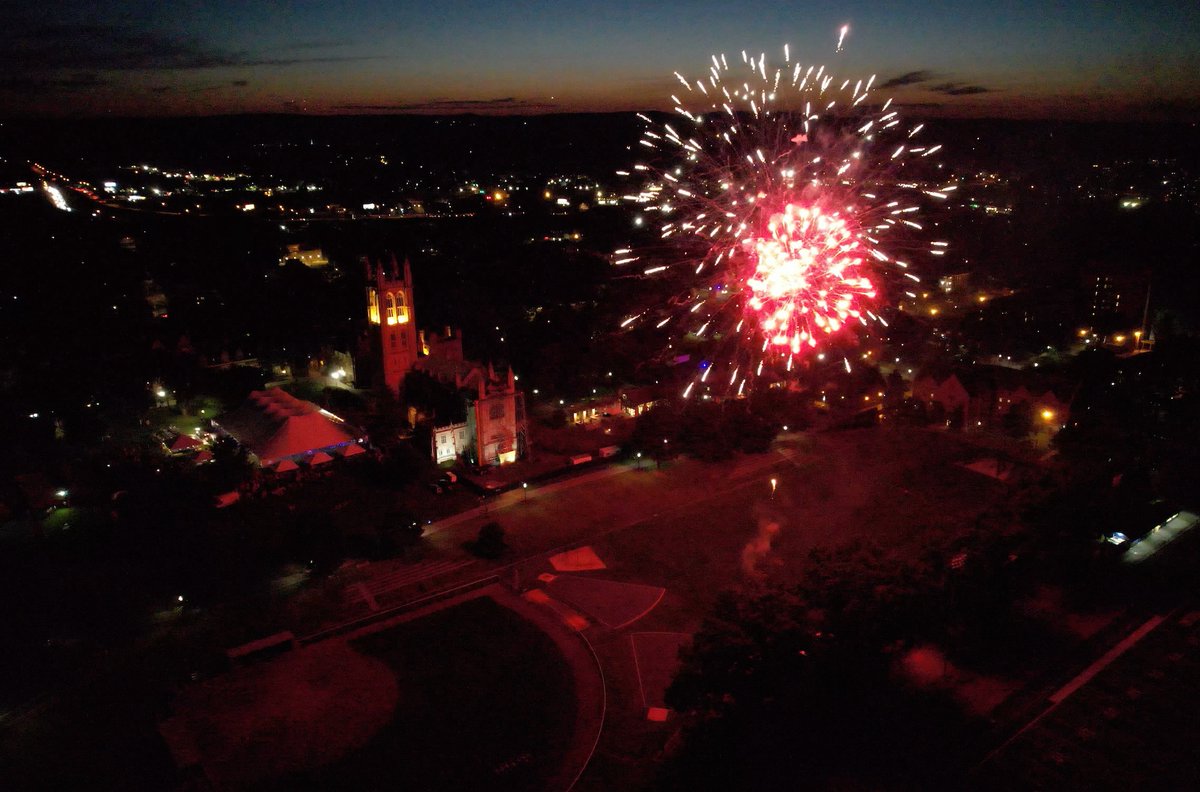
(980, 396)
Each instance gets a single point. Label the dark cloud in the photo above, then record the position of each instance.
(318, 44)
(115, 48)
(452, 105)
(32, 84)
(908, 78)
(959, 89)
(924, 76)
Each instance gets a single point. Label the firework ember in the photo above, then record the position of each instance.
(806, 278)
(786, 199)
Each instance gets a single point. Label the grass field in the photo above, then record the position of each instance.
(484, 701)
(897, 488)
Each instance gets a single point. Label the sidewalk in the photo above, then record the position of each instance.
(520, 495)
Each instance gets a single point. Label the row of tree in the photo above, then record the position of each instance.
(713, 431)
(797, 683)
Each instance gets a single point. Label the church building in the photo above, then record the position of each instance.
(496, 429)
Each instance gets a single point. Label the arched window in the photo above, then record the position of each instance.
(401, 308)
(391, 308)
(373, 306)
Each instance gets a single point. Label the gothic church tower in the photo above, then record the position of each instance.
(392, 320)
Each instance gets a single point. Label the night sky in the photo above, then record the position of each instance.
(1086, 60)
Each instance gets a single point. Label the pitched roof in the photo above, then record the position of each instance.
(274, 424)
(183, 442)
(987, 379)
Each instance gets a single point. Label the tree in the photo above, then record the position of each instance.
(490, 542)
(1018, 421)
(230, 463)
(750, 432)
(785, 687)
(896, 388)
(401, 530)
(704, 433)
(386, 421)
(318, 543)
(654, 426)
(782, 407)
(434, 399)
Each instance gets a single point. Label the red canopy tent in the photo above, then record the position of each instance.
(275, 425)
(184, 442)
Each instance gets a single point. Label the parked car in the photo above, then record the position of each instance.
(1146, 520)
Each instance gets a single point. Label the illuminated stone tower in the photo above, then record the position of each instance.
(392, 321)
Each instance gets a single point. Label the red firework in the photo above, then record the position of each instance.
(807, 280)
(787, 205)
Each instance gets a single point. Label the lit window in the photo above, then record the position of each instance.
(391, 308)
(373, 306)
(401, 309)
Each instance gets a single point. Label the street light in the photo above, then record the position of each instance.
(774, 483)
(639, 460)
(525, 491)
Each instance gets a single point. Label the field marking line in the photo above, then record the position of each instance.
(637, 668)
(1105, 659)
(1082, 679)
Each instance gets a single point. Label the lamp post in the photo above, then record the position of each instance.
(774, 483)
(639, 460)
(525, 491)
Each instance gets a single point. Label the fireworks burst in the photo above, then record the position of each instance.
(785, 198)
